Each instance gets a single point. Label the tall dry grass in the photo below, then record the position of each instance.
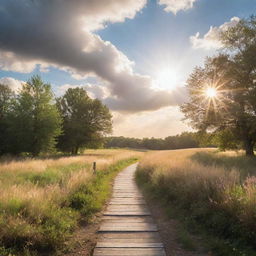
(42, 201)
(212, 196)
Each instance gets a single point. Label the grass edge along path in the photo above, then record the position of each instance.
(159, 190)
(80, 205)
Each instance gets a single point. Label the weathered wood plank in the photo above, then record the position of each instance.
(128, 245)
(129, 252)
(135, 227)
(131, 219)
(139, 236)
(125, 208)
(127, 203)
(118, 213)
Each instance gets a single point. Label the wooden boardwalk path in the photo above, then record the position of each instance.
(127, 228)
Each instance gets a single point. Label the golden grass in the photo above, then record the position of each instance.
(26, 189)
(221, 199)
(36, 195)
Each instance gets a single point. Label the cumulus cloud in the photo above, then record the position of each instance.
(211, 40)
(13, 84)
(142, 98)
(62, 34)
(177, 5)
(93, 90)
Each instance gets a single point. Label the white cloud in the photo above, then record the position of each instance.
(12, 83)
(9, 61)
(211, 40)
(94, 91)
(160, 123)
(177, 5)
(63, 37)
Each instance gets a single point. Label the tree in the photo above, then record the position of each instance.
(6, 98)
(226, 139)
(223, 92)
(85, 120)
(35, 121)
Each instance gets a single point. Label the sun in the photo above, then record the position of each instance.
(167, 79)
(211, 92)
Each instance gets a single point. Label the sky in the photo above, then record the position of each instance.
(134, 55)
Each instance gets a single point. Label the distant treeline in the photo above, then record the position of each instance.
(184, 140)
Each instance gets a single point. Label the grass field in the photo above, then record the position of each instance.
(214, 191)
(43, 201)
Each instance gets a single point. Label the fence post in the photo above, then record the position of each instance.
(94, 167)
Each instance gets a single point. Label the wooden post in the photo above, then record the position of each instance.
(94, 167)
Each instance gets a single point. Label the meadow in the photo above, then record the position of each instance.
(214, 192)
(43, 200)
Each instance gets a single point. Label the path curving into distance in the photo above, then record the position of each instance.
(127, 228)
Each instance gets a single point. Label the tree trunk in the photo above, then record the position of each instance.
(249, 145)
(75, 150)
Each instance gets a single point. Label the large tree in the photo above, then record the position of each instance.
(85, 120)
(6, 100)
(223, 92)
(35, 122)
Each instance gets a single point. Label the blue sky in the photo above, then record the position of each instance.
(156, 41)
(154, 33)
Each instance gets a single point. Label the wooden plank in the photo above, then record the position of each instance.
(142, 236)
(127, 200)
(128, 245)
(129, 252)
(126, 203)
(128, 228)
(126, 196)
(114, 208)
(131, 219)
(118, 213)
(125, 208)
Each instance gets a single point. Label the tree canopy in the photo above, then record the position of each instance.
(35, 120)
(84, 120)
(232, 76)
(6, 97)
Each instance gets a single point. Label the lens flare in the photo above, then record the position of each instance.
(211, 92)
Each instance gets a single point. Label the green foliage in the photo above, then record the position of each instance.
(184, 140)
(31, 122)
(185, 240)
(85, 120)
(6, 98)
(42, 179)
(226, 139)
(34, 121)
(232, 74)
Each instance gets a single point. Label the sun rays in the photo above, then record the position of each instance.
(214, 95)
(211, 92)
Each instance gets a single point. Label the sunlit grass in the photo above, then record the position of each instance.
(221, 199)
(42, 200)
(228, 160)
